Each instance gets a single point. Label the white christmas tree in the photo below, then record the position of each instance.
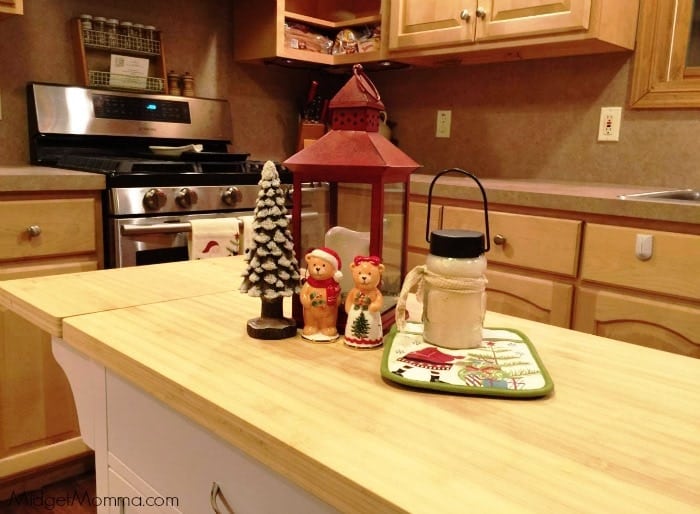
(272, 271)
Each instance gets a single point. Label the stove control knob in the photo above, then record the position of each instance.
(185, 197)
(231, 196)
(154, 199)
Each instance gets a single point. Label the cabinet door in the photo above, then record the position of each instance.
(509, 18)
(36, 404)
(421, 23)
(11, 7)
(638, 320)
(543, 300)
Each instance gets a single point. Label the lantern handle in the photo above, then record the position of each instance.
(365, 83)
(483, 195)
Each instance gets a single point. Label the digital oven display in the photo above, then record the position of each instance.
(141, 109)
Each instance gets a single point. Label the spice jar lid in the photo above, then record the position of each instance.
(99, 18)
(458, 244)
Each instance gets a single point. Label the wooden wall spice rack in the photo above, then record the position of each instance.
(93, 55)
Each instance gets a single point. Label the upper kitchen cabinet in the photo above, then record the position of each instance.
(309, 31)
(454, 31)
(667, 59)
(8, 7)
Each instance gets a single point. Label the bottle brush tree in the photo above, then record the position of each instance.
(272, 271)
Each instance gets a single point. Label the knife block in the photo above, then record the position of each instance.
(309, 132)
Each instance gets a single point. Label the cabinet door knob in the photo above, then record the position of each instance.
(464, 15)
(499, 239)
(34, 230)
(480, 12)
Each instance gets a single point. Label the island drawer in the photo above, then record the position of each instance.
(47, 227)
(609, 257)
(535, 242)
(178, 458)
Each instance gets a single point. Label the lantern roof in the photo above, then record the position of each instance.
(359, 91)
(346, 154)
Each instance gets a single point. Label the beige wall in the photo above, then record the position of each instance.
(532, 119)
(539, 119)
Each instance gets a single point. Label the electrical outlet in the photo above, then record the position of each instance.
(609, 127)
(444, 123)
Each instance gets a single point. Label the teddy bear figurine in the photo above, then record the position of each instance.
(364, 303)
(320, 295)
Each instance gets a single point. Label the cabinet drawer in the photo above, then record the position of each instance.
(67, 226)
(178, 458)
(609, 257)
(536, 242)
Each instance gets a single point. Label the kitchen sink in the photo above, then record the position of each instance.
(678, 195)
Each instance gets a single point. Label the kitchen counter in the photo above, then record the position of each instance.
(575, 197)
(43, 179)
(618, 432)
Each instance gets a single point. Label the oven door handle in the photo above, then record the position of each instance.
(155, 228)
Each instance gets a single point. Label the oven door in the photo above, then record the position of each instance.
(139, 241)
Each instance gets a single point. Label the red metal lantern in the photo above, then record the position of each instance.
(367, 178)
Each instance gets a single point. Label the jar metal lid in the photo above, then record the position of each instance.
(457, 244)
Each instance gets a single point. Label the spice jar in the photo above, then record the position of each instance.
(111, 31)
(125, 28)
(98, 25)
(86, 21)
(137, 34)
(149, 36)
(452, 281)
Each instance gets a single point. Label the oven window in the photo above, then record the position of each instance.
(160, 255)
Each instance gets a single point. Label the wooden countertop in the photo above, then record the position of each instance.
(45, 301)
(619, 432)
(42, 179)
(575, 197)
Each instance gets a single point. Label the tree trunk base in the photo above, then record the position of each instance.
(272, 324)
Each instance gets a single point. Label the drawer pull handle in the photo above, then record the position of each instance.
(215, 490)
(499, 239)
(34, 230)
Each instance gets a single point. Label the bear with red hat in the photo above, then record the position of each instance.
(320, 295)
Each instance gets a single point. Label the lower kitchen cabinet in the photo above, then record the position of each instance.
(637, 319)
(539, 299)
(533, 272)
(652, 300)
(41, 234)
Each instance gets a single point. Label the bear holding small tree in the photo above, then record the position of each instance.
(364, 304)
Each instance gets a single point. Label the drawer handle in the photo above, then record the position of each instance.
(216, 491)
(465, 15)
(34, 230)
(499, 239)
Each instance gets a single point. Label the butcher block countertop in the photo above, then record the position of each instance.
(42, 179)
(618, 434)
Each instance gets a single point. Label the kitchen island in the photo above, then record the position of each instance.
(178, 401)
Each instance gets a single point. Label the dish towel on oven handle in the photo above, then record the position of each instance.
(214, 237)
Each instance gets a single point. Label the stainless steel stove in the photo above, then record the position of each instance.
(150, 198)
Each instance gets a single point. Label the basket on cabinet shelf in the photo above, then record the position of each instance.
(93, 52)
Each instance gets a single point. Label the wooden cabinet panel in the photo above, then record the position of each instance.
(417, 23)
(536, 242)
(508, 18)
(544, 300)
(67, 227)
(8, 7)
(638, 320)
(609, 257)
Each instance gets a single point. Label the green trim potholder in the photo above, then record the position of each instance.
(506, 364)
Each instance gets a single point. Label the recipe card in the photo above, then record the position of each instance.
(128, 72)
